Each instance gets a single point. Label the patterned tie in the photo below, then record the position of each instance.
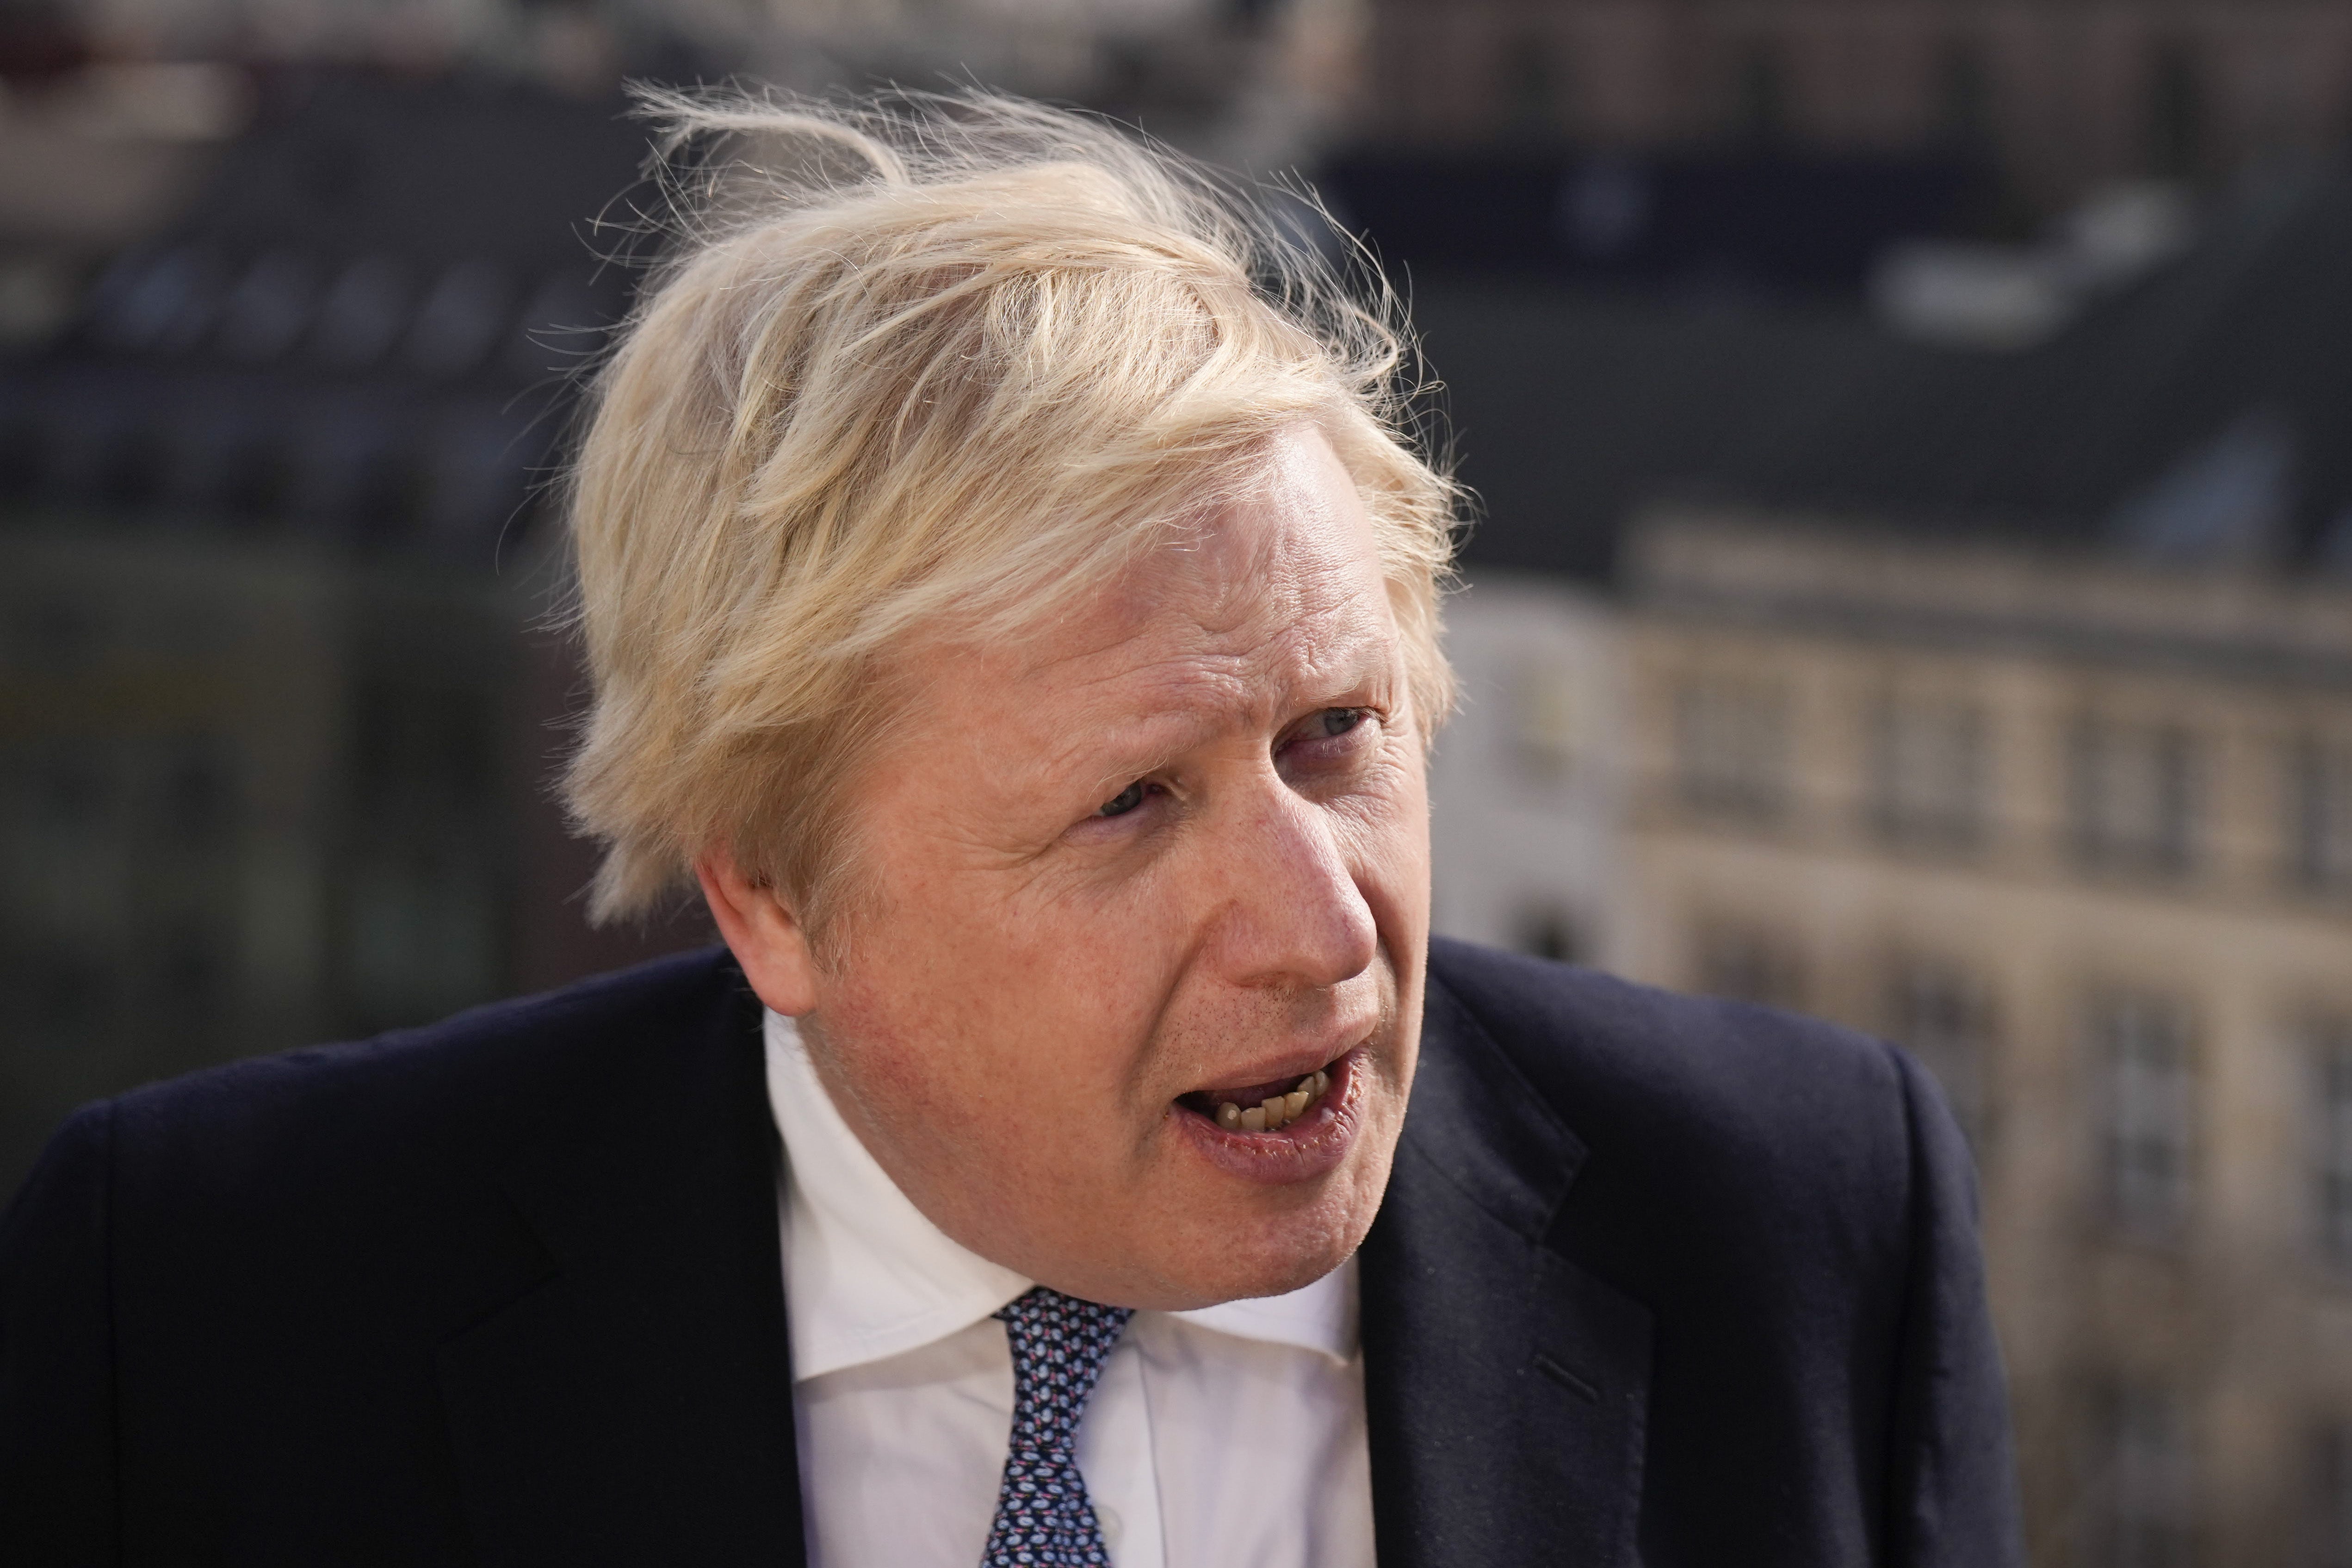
(1043, 1517)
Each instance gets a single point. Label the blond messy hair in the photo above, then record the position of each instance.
(924, 365)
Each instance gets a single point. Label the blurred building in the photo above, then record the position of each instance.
(1973, 168)
(1255, 83)
(1527, 839)
(291, 295)
(1573, 409)
(1695, 222)
(2062, 98)
(2000, 702)
(276, 724)
(92, 161)
(2078, 831)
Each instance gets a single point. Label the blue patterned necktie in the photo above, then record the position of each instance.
(1043, 1517)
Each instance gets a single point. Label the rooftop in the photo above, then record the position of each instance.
(2190, 417)
(360, 329)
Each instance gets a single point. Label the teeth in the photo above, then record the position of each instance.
(1277, 1109)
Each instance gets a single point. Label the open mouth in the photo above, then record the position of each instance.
(1263, 1107)
(1296, 1128)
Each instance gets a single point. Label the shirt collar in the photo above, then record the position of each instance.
(1320, 1317)
(868, 1276)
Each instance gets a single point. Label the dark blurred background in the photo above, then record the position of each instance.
(1912, 581)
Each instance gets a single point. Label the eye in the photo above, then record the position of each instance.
(1122, 803)
(1329, 743)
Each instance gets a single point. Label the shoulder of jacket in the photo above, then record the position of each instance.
(422, 1090)
(1701, 1080)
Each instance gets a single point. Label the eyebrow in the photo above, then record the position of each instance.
(1130, 753)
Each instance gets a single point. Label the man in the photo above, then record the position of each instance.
(1010, 599)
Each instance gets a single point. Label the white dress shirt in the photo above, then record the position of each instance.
(1228, 1437)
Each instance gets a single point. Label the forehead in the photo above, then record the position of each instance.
(1277, 596)
(1280, 588)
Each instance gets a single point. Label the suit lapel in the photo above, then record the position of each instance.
(1506, 1388)
(635, 1406)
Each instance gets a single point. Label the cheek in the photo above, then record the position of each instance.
(1384, 834)
(980, 1007)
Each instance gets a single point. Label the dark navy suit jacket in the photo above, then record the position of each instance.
(1657, 1280)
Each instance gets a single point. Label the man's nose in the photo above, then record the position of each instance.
(1292, 912)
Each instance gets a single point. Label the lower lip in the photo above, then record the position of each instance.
(1301, 1151)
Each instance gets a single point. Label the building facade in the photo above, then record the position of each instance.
(277, 731)
(1527, 783)
(2063, 96)
(2078, 832)
(250, 797)
(1254, 83)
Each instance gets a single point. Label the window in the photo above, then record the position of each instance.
(1928, 774)
(1731, 747)
(2319, 814)
(363, 313)
(2228, 499)
(2146, 1478)
(1943, 1016)
(1547, 714)
(1748, 963)
(422, 883)
(2333, 1037)
(163, 301)
(269, 307)
(460, 319)
(2133, 796)
(2142, 1041)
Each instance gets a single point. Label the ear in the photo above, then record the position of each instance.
(762, 932)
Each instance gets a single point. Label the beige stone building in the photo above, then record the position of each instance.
(2078, 832)
(2001, 703)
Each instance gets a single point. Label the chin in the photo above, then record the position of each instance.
(1280, 1276)
(1220, 1273)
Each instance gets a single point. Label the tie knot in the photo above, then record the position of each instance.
(1046, 1326)
(1059, 1345)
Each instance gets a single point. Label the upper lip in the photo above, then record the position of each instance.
(1276, 1070)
